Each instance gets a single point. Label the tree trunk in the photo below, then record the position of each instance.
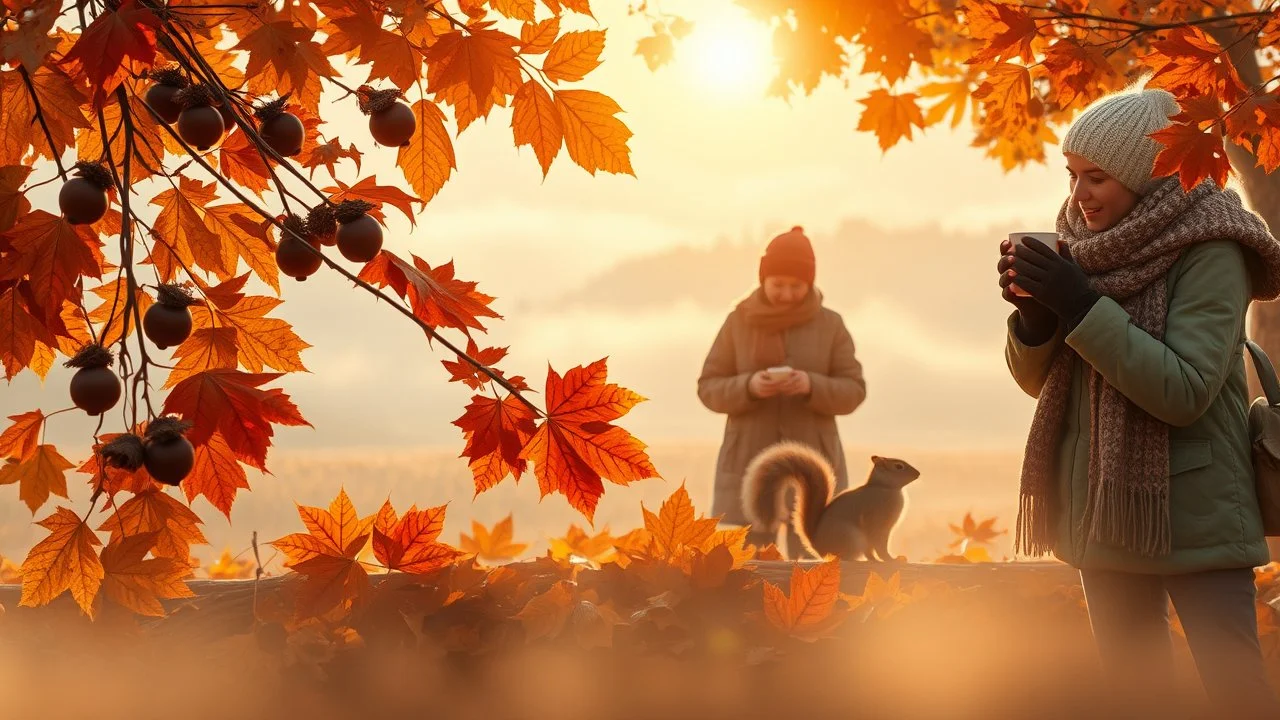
(1262, 192)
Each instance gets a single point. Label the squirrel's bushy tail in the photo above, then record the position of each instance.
(769, 473)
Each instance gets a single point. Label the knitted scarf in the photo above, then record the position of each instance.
(1128, 498)
(768, 322)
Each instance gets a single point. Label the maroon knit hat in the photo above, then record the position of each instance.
(789, 254)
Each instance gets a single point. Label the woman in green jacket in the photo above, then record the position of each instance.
(1137, 468)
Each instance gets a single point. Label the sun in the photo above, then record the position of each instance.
(730, 52)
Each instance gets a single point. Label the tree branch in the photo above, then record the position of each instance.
(431, 332)
(35, 99)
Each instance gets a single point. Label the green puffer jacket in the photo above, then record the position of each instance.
(1195, 381)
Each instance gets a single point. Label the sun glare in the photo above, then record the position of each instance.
(730, 52)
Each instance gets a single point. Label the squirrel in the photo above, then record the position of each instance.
(853, 524)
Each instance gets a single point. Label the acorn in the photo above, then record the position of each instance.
(322, 226)
(168, 321)
(169, 455)
(94, 388)
(161, 96)
(293, 256)
(199, 123)
(83, 199)
(281, 130)
(391, 122)
(359, 235)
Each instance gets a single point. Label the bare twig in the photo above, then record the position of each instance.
(35, 99)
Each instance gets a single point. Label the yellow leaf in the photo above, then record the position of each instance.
(428, 159)
(890, 116)
(494, 545)
(65, 560)
(595, 139)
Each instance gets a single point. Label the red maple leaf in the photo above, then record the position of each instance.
(1193, 154)
(437, 298)
(369, 190)
(409, 544)
(462, 371)
(127, 32)
(576, 446)
(229, 402)
(496, 433)
(54, 254)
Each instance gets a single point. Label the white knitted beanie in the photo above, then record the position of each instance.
(1112, 133)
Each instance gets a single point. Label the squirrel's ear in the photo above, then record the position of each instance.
(875, 458)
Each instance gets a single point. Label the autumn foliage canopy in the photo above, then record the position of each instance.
(197, 176)
(1020, 70)
(189, 141)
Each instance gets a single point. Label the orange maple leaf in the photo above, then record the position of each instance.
(207, 348)
(463, 371)
(970, 531)
(545, 614)
(126, 32)
(177, 527)
(465, 69)
(535, 120)
(576, 445)
(227, 567)
(54, 254)
(369, 190)
(1007, 32)
(13, 201)
(40, 474)
(595, 139)
(110, 315)
(890, 116)
(180, 226)
(241, 236)
(63, 561)
(1189, 63)
(574, 55)
(20, 439)
(537, 38)
(436, 297)
(1193, 154)
(137, 582)
(283, 58)
(675, 527)
(261, 342)
(428, 160)
(494, 545)
(576, 543)
(21, 332)
(409, 543)
(809, 608)
(240, 162)
(496, 434)
(231, 403)
(216, 474)
(327, 555)
(329, 155)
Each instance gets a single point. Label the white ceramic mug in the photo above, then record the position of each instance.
(1048, 238)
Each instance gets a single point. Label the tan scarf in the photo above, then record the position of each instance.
(768, 322)
(1128, 500)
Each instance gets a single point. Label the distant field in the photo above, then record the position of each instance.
(951, 484)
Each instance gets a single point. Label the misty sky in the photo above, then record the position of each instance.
(643, 269)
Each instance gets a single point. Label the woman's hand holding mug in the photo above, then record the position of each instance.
(1036, 323)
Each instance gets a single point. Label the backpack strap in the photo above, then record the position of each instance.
(1266, 372)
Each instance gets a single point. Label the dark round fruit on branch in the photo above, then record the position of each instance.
(228, 116)
(284, 133)
(160, 98)
(393, 126)
(95, 390)
(82, 202)
(200, 126)
(360, 240)
(165, 325)
(295, 259)
(169, 460)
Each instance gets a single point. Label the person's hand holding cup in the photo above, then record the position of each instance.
(1036, 323)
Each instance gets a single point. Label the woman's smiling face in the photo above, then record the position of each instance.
(1102, 200)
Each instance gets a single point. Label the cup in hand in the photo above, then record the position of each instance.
(1015, 239)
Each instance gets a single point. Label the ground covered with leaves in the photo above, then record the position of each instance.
(378, 616)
